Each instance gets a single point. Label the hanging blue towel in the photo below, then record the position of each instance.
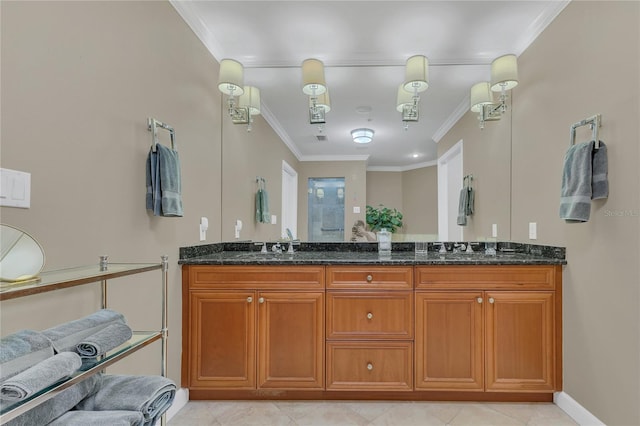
(262, 206)
(164, 183)
(584, 177)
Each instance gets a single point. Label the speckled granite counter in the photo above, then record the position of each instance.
(248, 253)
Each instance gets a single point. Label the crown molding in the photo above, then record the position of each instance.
(402, 168)
(334, 158)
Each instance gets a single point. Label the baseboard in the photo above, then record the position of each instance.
(181, 399)
(577, 412)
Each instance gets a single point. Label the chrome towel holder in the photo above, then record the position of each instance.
(595, 122)
(153, 125)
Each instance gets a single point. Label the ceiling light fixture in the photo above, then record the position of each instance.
(416, 80)
(314, 85)
(362, 135)
(504, 77)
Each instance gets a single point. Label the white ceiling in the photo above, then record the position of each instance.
(364, 46)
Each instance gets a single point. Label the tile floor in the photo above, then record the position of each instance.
(367, 413)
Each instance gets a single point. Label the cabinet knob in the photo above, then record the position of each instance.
(261, 300)
(369, 278)
(369, 366)
(479, 299)
(369, 315)
(249, 299)
(491, 300)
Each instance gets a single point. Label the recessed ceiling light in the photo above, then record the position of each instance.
(415, 155)
(364, 109)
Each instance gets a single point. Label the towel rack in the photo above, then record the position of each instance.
(594, 122)
(152, 126)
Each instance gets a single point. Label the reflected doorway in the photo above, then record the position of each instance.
(326, 209)
(449, 186)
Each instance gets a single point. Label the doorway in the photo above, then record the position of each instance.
(326, 209)
(289, 218)
(449, 185)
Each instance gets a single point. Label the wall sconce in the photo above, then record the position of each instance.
(314, 85)
(362, 135)
(320, 193)
(250, 100)
(416, 80)
(318, 111)
(405, 105)
(231, 82)
(340, 192)
(504, 77)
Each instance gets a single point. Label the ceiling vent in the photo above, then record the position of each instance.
(321, 138)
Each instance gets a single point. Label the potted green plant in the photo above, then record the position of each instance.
(383, 217)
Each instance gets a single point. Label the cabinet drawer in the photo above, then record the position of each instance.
(370, 315)
(370, 366)
(488, 277)
(267, 277)
(370, 277)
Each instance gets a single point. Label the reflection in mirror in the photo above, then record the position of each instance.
(21, 256)
(326, 209)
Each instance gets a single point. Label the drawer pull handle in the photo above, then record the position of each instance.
(479, 299)
(249, 299)
(369, 366)
(261, 300)
(369, 315)
(491, 300)
(369, 278)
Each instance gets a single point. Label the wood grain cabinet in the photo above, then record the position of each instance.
(369, 326)
(488, 328)
(253, 327)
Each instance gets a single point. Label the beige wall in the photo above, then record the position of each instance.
(587, 62)
(355, 190)
(79, 80)
(245, 156)
(412, 192)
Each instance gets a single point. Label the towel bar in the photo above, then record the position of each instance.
(152, 126)
(595, 123)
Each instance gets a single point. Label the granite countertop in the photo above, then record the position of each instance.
(248, 253)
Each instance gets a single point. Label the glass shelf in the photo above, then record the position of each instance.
(64, 278)
(139, 340)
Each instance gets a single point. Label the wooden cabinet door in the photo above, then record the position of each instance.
(520, 341)
(222, 339)
(449, 341)
(291, 340)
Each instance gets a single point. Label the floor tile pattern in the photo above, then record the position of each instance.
(368, 413)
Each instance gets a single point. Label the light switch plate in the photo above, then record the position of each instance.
(533, 230)
(494, 230)
(356, 209)
(15, 188)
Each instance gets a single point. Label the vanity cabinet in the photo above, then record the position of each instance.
(253, 327)
(369, 328)
(488, 328)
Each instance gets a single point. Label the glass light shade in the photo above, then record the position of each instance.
(403, 98)
(416, 74)
(504, 72)
(322, 101)
(480, 95)
(231, 78)
(313, 77)
(250, 99)
(362, 135)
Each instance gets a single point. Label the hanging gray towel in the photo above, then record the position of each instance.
(262, 206)
(170, 181)
(153, 197)
(463, 206)
(579, 181)
(39, 376)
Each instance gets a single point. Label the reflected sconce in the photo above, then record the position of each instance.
(314, 85)
(231, 83)
(504, 77)
(362, 136)
(340, 192)
(250, 100)
(416, 80)
(318, 107)
(320, 193)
